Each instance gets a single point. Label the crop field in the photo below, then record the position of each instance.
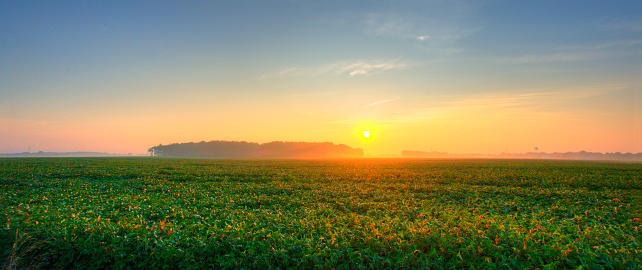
(159, 213)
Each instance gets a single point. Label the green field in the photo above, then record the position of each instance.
(363, 213)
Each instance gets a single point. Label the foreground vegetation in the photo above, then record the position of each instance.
(186, 213)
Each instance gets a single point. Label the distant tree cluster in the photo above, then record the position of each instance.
(62, 154)
(213, 149)
(234, 149)
(582, 155)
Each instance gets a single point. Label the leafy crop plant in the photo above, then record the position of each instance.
(157, 213)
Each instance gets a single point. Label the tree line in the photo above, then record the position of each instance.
(236, 149)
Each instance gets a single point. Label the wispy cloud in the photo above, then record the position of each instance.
(319, 94)
(433, 26)
(537, 103)
(606, 45)
(632, 26)
(523, 104)
(550, 58)
(349, 68)
(381, 102)
(529, 99)
(437, 35)
(357, 68)
(584, 52)
(436, 24)
(285, 72)
(392, 25)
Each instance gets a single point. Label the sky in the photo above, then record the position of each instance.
(450, 76)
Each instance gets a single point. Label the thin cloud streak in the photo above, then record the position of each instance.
(381, 102)
(285, 72)
(315, 94)
(393, 25)
(363, 67)
(352, 69)
(436, 35)
(579, 53)
(446, 24)
(534, 104)
(551, 58)
(620, 43)
(632, 26)
(531, 99)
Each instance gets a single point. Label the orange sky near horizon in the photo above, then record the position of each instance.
(487, 125)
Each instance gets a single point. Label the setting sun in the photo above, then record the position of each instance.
(366, 134)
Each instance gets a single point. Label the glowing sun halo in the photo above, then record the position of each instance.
(366, 134)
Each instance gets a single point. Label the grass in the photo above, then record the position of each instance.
(362, 213)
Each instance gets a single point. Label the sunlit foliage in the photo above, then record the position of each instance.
(186, 213)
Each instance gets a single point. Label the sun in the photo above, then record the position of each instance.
(367, 131)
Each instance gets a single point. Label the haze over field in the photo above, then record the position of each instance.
(384, 76)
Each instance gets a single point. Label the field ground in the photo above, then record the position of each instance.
(363, 213)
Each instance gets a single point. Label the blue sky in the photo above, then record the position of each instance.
(457, 76)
